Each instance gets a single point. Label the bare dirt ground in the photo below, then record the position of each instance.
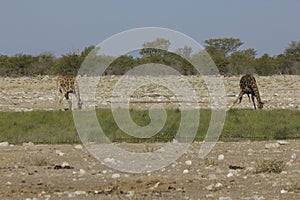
(39, 93)
(228, 171)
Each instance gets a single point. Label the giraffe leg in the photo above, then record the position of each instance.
(60, 99)
(77, 95)
(240, 97)
(252, 96)
(248, 97)
(69, 100)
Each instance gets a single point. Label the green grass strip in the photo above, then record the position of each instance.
(57, 127)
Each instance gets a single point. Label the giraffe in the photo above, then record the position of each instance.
(67, 84)
(248, 86)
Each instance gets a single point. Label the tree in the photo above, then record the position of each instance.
(241, 62)
(68, 64)
(224, 45)
(156, 47)
(266, 65)
(293, 48)
(185, 51)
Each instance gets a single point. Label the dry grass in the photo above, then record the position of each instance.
(270, 166)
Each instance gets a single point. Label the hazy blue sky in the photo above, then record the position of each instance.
(61, 26)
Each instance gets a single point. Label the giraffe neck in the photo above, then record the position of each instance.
(257, 96)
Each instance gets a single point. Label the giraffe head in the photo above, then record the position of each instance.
(260, 105)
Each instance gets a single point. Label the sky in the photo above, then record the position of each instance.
(64, 26)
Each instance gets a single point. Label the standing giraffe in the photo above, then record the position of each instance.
(248, 86)
(67, 84)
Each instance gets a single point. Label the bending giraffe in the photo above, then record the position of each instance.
(67, 84)
(248, 86)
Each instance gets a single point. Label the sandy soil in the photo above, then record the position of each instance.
(228, 172)
(70, 172)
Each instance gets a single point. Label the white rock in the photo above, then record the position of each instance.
(209, 196)
(250, 169)
(115, 176)
(174, 141)
(80, 193)
(221, 157)
(294, 156)
(129, 194)
(250, 152)
(78, 147)
(65, 164)
(8, 183)
(82, 172)
(185, 171)
(4, 144)
(188, 162)
(58, 152)
(217, 185)
(275, 184)
(28, 144)
(155, 186)
(230, 174)
(283, 191)
(256, 197)
(110, 160)
(225, 198)
(282, 142)
(210, 187)
(272, 145)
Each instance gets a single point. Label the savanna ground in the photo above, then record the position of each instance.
(232, 170)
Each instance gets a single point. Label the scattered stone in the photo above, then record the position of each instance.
(218, 185)
(80, 193)
(225, 198)
(283, 191)
(174, 141)
(294, 156)
(78, 147)
(282, 142)
(82, 172)
(209, 196)
(8, 183)
(221, 157)
(116, 176)
(154, 186)
(186, 171)
(210, 187)
(28, 144)
(250, 152)
(59, 152)
(230, 174)
(272, 145)
(110, 160)
(188, 162)
(256, 197)
(130, 194)
(4, 144)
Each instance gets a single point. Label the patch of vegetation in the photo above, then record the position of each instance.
(270, 166)
(57, 127)
(225, 52)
